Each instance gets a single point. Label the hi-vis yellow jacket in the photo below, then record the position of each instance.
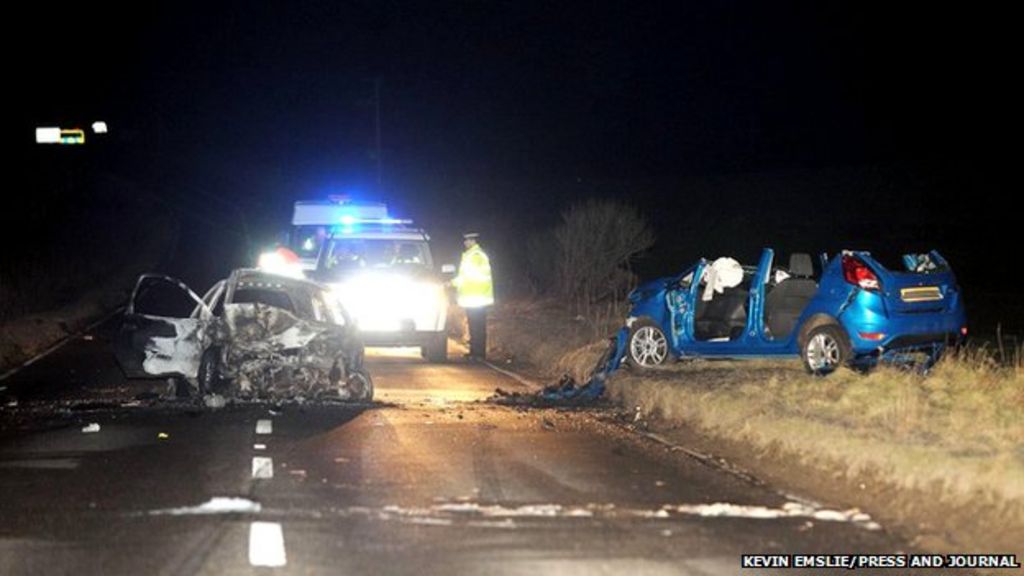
(474, 285)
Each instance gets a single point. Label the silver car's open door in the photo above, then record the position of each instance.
(162, 333)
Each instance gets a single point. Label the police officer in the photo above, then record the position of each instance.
(475, 291)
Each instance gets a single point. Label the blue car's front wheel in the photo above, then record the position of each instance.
(648, 346)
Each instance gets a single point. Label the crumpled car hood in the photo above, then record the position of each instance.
(272, 353)
(268, 328)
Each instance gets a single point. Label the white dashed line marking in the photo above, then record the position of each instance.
(259, 446)
(266, 544)
(262, 467)
(264, 427)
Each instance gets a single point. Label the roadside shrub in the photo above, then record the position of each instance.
(596, 243)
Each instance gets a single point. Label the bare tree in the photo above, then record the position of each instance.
(597, 241)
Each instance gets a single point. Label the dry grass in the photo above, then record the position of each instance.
(956, 432)
(959, 426)
(546, 341)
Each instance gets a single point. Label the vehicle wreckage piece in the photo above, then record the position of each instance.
(567, 391)
(254, 335)
(594, 388)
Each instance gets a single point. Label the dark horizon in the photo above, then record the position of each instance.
(842, 123)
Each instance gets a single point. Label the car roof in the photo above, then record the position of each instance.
(264, 279)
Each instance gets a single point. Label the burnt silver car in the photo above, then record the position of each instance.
(253, 335)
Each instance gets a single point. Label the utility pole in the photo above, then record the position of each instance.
(376, 101)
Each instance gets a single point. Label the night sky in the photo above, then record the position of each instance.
(761, 121)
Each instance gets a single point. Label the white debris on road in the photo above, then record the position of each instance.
(788, 510)
(666, 512)
(216, 505)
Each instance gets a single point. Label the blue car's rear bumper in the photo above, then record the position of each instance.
(873, 329)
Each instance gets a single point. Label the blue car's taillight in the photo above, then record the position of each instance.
(857, 273)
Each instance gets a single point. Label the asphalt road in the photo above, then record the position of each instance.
(427, 480)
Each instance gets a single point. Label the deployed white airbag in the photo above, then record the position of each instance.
(721, 274)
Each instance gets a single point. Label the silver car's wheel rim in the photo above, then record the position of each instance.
(649, 346)
(823, 352)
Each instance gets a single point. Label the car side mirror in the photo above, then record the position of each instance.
(448, 269)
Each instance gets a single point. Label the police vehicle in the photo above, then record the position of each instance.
(380, 268)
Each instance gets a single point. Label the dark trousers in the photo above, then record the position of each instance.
(477, 318)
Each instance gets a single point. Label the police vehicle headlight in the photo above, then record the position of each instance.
(381, 302)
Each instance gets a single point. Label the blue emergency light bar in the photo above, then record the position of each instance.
(349, 220)
(351, 224)
(325, 213)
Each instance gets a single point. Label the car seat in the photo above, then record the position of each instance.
(786, 302)
(725, 316)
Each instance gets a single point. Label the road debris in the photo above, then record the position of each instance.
(216, 505)
(568, 392)
(91, 428)
(474, 510)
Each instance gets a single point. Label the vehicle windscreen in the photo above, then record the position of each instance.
(265, 296)
(356, 253)
(307, 240)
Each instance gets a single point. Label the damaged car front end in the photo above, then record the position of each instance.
(253, 335)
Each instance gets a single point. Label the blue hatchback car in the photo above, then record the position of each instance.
(853, 312)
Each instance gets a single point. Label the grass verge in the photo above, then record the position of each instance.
(544, 341)
(939, 456)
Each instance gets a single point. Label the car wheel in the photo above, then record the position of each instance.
(210, 381)
(360, 386)
(826, 349)
(648, 346)
(436, 350)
